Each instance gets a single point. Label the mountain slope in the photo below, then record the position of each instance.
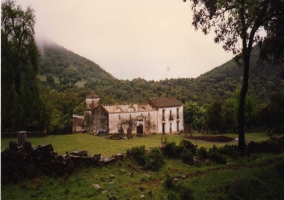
(62, 63)
(217, 84)
(224, 79)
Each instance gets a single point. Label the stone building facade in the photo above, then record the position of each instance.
(156, 115)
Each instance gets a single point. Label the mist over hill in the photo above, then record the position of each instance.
(57, 61)
(217, 84)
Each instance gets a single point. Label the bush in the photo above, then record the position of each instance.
(170, 150)
(216, 156)
(187, 157)
(230, 150)
(202, 153)
(138, 154)
(188, 145)
(154, 159)
(270, 146)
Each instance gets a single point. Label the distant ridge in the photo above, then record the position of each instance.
(60, 62)
(217, 84)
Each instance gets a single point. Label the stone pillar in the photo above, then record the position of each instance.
(22, 136)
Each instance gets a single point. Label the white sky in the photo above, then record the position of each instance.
(150, 39)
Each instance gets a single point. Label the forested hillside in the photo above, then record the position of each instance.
(217, 84)
(67, 66)
(66, 79)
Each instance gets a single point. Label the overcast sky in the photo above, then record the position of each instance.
(150, 39)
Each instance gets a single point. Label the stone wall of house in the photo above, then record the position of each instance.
(146, 119)
(78, 123)
(99, 119)
(171, 118)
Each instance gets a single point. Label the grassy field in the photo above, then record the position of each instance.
(258, 176)
(95, 145)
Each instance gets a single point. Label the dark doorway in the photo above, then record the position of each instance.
(163, 128)
(140, 129)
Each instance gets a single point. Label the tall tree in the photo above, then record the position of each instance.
(237, 23)
(21, 105)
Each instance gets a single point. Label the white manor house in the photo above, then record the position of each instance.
(156, 115)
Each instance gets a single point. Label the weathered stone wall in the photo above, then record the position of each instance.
(27, 161)
(78, 123)
(100, 119)
(147, 119)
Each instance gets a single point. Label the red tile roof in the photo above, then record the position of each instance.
(164, 102)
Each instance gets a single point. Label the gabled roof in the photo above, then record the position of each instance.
(164, 102)
(93, 96)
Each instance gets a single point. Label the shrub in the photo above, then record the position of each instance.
(187, 157)
(270, 146)
(202, 153)
(154, 159)
(138, 154)
(230, 150)
(188, 145)
(170, 150)
(216, 156)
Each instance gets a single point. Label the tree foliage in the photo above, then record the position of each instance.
(237, 24)
(21, 103)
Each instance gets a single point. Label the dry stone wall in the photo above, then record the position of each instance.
(28, 161)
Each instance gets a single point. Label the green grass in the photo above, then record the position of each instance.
(253, 177)
(95, 145)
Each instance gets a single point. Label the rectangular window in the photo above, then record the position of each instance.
(177, 126)
(163, 115)
(177, 113)
(171, 117)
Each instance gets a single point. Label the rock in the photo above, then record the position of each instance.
(105, 191)
(122, 170)
(207, 161)
(142, 196)
(79, 153)
(111, 183)
(13, 145)
(27, 146)
(109, 160)
(175, 179)
(183, 176)
(97, 186)
(130, 174)
(141, 188)
(111, 176)
(147, 175)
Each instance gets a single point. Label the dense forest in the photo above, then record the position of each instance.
(67, 78)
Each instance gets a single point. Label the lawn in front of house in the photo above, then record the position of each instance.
(100, 145)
